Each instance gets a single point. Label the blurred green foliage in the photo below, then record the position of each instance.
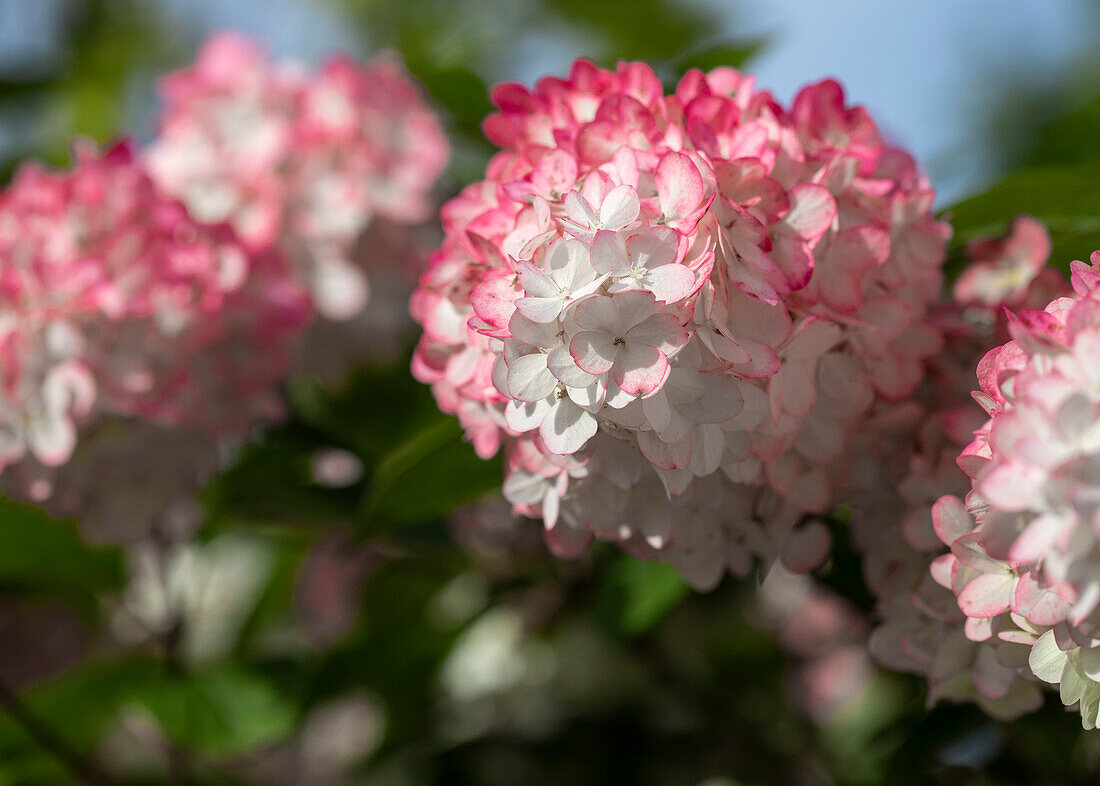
(104, 43)
(39, 554)
(1065, 197)
(1047, 143)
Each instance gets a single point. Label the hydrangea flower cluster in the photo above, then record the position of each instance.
(299, 161)
(1008, 601)
(1025, 553)
(922, 629)
(116, 302)
(673, 312)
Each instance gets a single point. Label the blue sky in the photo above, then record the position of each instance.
(924, 68)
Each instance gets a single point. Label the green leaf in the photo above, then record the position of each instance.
(397, 649)
(426, 477)
(41, 553)
(1065, 198)
(731, 53)
(75, 706)
(377, 409)
(458, 90)
(649, 30)
(11, 89)
(225, 711)
(271, 482)
(112, 39)
(636, 595)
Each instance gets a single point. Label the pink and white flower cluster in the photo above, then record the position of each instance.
(673, 312)
(115, 301)
(1025, 550)
(991, 588)
(299, 161)
(899, 522)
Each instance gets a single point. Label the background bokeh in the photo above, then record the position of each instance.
(347, 614)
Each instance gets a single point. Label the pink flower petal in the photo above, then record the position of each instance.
(1012, 485)
(942, 568)
(594, 352)
(812, 211)
(794, 259)
(655, 247)
(639, 370)
(556, 172)
(1036, 540)
(664, 455)
(671, 283)
(1037, 605)
(807, 547)
(988, 595)
(950, 519)
(679, 186)
(535, 282)
(579, 210)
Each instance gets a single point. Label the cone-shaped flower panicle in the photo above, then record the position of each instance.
(674, 312)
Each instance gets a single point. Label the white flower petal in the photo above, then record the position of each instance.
(566, 370)
(525, 416)
(1047, 661)
(529, 379)
(544, 310)
(525, 488)
(619, 208)
(567, 428)
(609, 253)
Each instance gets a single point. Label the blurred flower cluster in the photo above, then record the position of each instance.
(298, 161)
(909, 462)
(117, 302)
(155, 304)
(162, 296)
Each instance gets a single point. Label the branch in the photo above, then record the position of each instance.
(84, 770)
